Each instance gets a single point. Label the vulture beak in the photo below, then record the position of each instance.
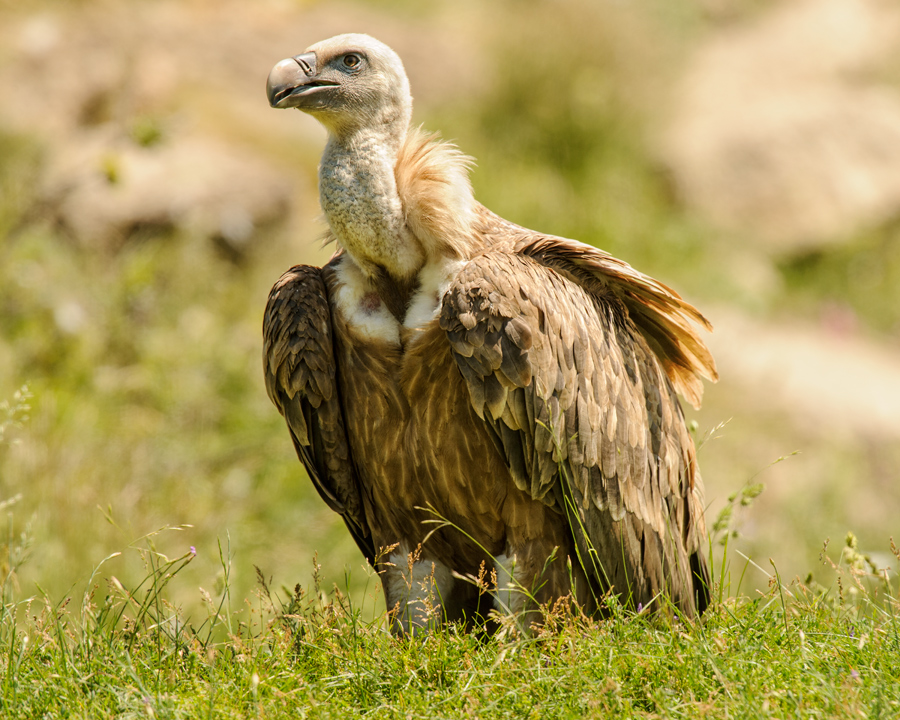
(292, 78)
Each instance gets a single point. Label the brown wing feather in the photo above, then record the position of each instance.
(300, 372)
(666, 321)
(587, 418)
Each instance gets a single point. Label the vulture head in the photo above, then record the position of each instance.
(347, 83)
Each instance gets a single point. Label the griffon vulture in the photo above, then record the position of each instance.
(448, 365)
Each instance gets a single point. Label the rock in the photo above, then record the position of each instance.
(104, 188)
(782, 130)
(830, 380)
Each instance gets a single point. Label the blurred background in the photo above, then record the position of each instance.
(745, 152)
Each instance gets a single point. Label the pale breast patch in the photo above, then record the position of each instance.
(434, 279)
(362, 309)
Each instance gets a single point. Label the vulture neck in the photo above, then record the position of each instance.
(358, 192)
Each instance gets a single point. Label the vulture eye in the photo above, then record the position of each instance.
(352, 61)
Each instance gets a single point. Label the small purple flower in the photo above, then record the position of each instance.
(193, 550)
(854, 674)
(640, 607)
(851, 631)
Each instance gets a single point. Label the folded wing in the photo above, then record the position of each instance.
(300, 372)
(580, 400)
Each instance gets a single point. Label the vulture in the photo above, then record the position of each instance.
(492, 411)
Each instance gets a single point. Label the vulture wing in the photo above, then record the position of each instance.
(572, 359)
(300, 371)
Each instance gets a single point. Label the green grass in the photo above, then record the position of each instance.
(798, 650)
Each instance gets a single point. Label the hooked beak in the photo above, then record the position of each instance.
(292, 78)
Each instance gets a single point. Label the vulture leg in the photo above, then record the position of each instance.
(422, 594)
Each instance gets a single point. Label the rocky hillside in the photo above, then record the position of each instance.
(745, 152)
